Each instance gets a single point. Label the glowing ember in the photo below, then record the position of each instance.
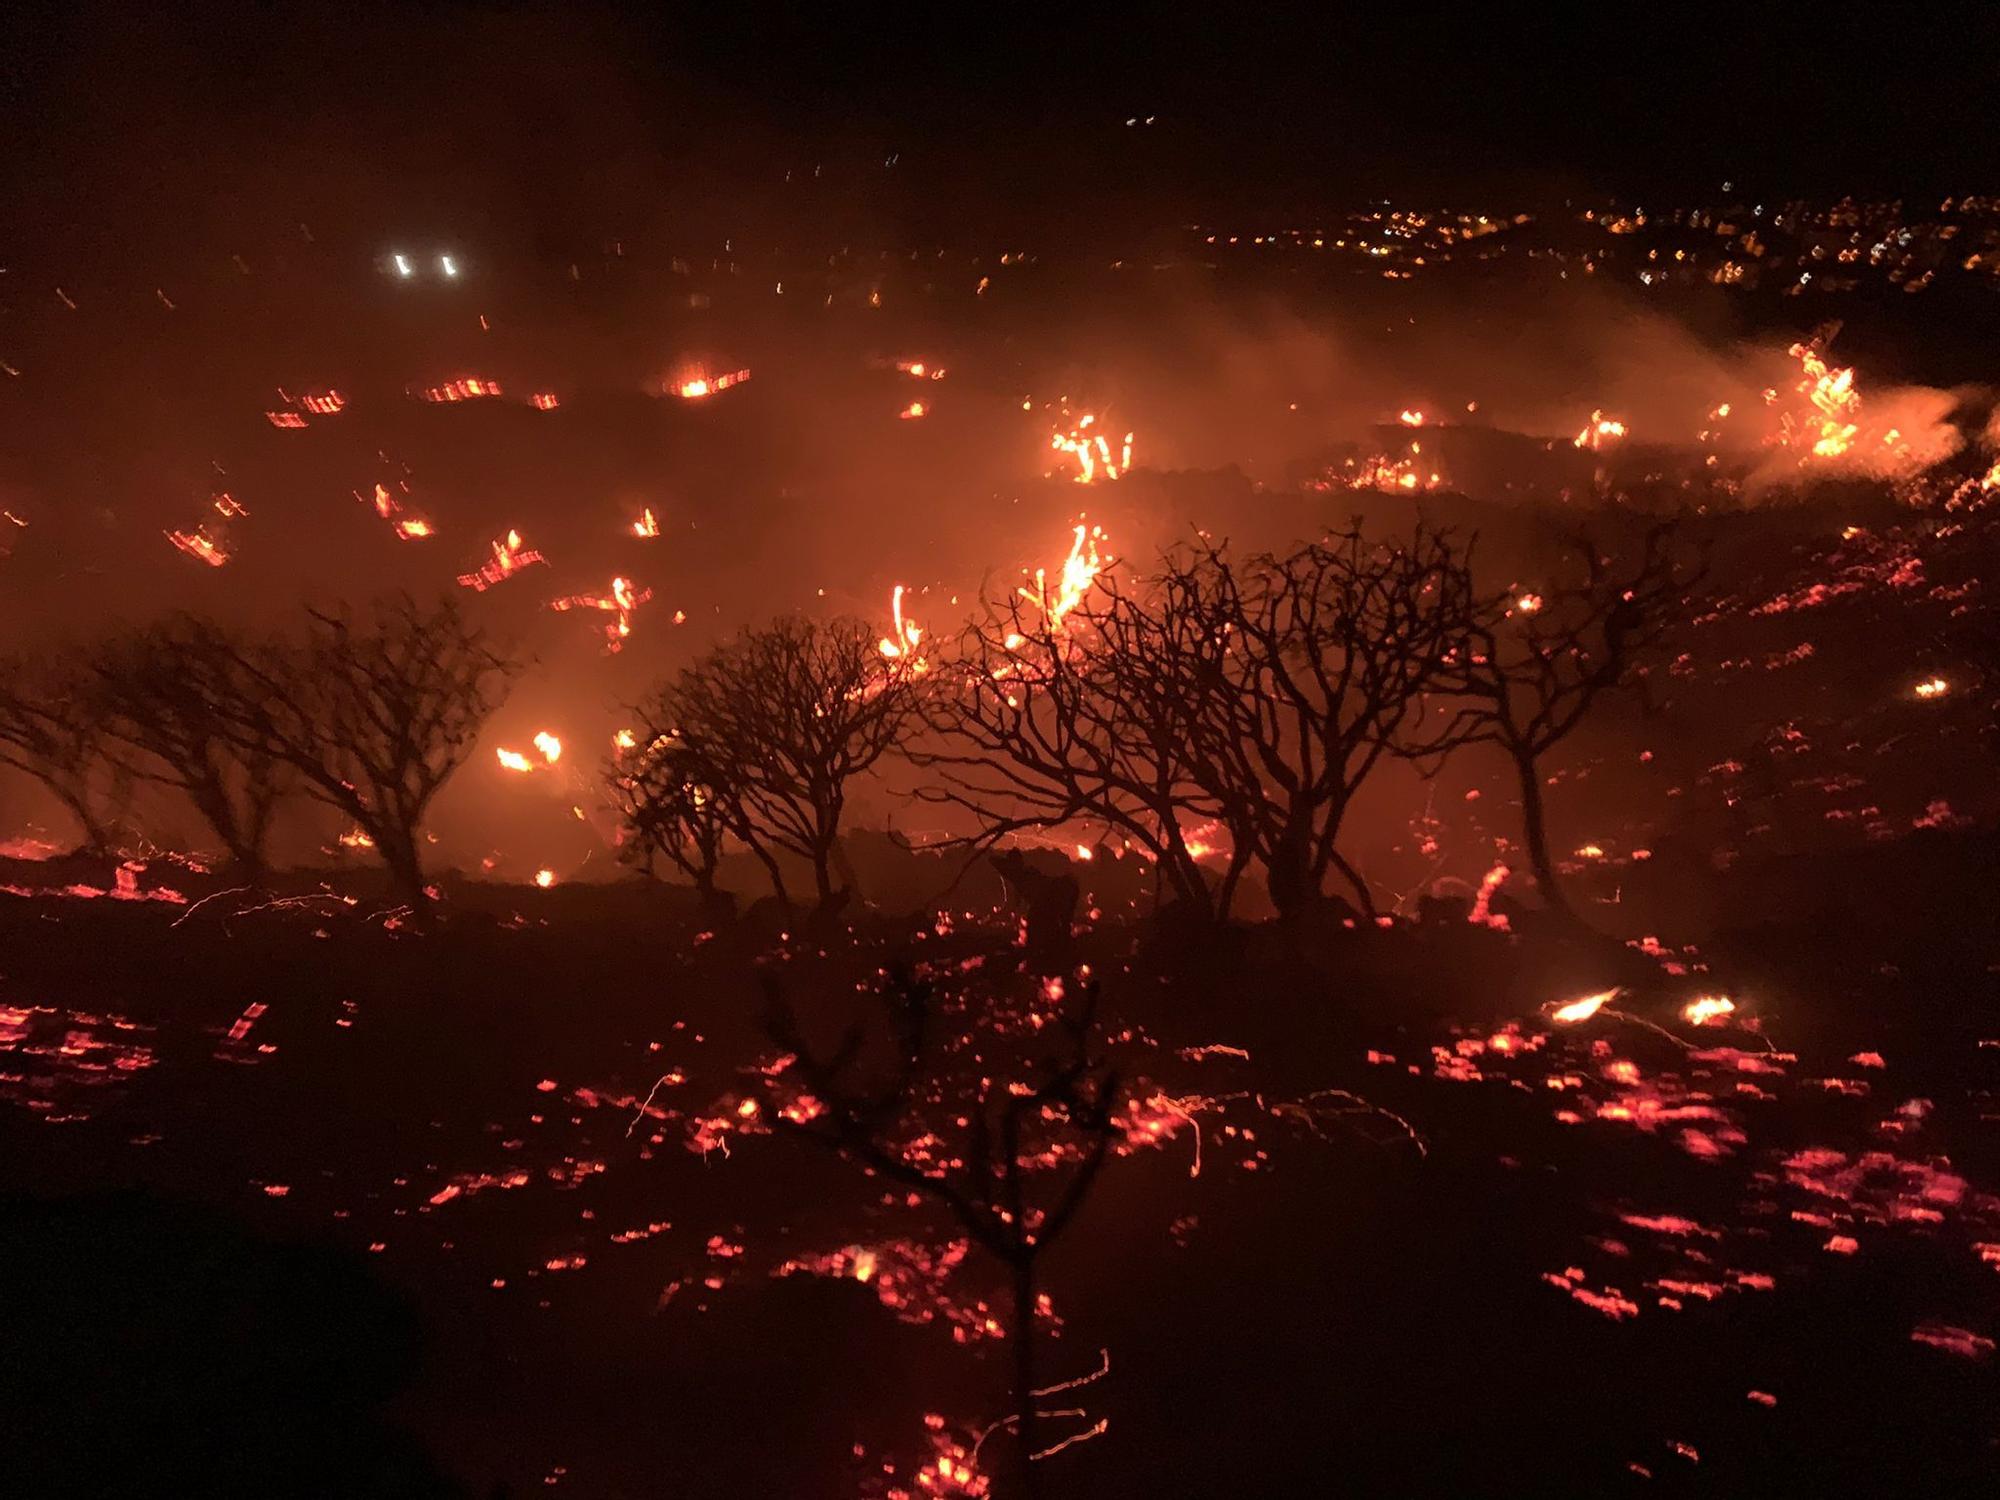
(1706, 1010)
(1583, 1009)
(1528, 604)
(646, 525)
(470, 389)
(323, 403)
(508, 559)
(355, 838)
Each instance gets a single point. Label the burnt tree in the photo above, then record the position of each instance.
(670, 806)
(51, 730)
(374, 715)
(162, 691)
(1033, 1124)
(1540, 660)
(782, 719)
(1322, 655)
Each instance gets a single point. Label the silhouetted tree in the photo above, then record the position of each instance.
(1323, 654)
(1540, 659)
(374, 716)
(163, 692)
(1040, 721)
(669, 806)
(1024, 1135)
(50, 729)
(782, 719)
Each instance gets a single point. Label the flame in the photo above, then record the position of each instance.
(901, 645)
(1932, 687)
(508, 559)
(1600, 431)
(1410, 418)
(545, 878)
(646, 525)
(468, 389)
(355, 838)
(514, 760)
(624, 740)
(1079, 571)
(1835, 400)
(544, 401)
(707, 385)
(199, 544)
(920, 370)
(549, 745)
(1583, 1009)
(621, 600)
(914, 410)
(284, 419)
(1092, 451)
(323, 403)
(413, 530)
(1704, 1010)
(1528, 604)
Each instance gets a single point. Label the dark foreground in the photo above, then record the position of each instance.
(406, 1229)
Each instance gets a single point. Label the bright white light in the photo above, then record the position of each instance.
(446, 265)
(403, 267)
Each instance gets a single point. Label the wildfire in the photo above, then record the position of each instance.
(1705, 1010)
(390, 509)
(901, 644)
(707, 385)
(619, 602)
(1092, 451)
(1835, 401)
(413, 530)
(199, 544)
(1600, 431)
(470, 389)
(544, 401)
(323, 403)
(508, 559)
(1583, 1009)
(1079, 572)
(289, 419)
(646, 525)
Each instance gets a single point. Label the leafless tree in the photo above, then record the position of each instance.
(784, 718)
(1326, 652)
(1039, 721)
(670, 806)
(374, 715)
(1540, 659)
(162, 692)
(1032, 1131)
(51, 730)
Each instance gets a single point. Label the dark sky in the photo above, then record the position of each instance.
(131, 121)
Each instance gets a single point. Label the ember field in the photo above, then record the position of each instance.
(338, 1211)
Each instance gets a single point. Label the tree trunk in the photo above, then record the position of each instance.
(1025, 1424)
(96, 837)
(1534, 826)
(398, 848)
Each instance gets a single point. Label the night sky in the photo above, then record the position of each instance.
(557, 123)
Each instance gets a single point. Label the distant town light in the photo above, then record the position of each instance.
(403, 267)
(446, 265)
